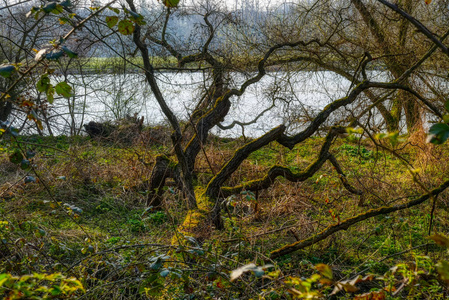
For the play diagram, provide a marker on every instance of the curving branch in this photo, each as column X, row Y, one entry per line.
column 242, row 124
column 277, row 171
column 291, row 141
column 213, row 188
column 344, row 225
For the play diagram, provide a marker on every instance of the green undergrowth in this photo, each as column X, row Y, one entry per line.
column 85, row 217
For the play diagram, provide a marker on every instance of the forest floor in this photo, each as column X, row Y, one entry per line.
column 83, row 213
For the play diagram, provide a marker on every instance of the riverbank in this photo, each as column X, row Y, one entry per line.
column 84, row 215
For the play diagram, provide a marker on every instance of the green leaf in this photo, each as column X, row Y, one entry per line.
column 7, row 70
column 156, row 265
column 63, row 89
column 53, row 7
column 125, row 27
column 49, row 7
column 63, row 20
column 259, row 272
column 134, row 15
column 164, row 273
column 55, row 290
column 43, row 83
column 54, row 55
column 111, row 21
column 25, row 164
column 69, row 52
column 30, row 179
column 66, row 3
column 16, row 157
column 439, row 133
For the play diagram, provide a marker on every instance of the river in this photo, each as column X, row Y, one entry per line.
column 297, row 97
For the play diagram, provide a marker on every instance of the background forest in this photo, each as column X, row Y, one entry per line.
column 224, row 150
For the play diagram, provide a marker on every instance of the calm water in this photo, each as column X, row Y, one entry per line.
column 297, row 98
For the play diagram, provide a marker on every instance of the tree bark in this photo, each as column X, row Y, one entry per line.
column 163, row 169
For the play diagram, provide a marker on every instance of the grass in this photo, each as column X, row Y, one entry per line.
column 120, row 249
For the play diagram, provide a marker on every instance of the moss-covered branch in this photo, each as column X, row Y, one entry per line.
column 277, row 171
column 240, row 155
column 344, row 225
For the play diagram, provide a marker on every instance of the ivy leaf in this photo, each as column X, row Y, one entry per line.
column 156, row 265
column 439, row 133
column 16, row 157
column 125, row 27
column 54, row 55
column 69, row 52
column 30, row 179
column 63, row 89
column 111, row 21
column 53, row 7
column 134, row 15
column 258, row 272
column 49, row 7
column 25, row 164
column 164, row 273
column 66, row 3
column 7, row 70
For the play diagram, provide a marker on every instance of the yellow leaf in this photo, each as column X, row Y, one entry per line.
column 427, row 1
column 325, row 270
column 440, row 239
